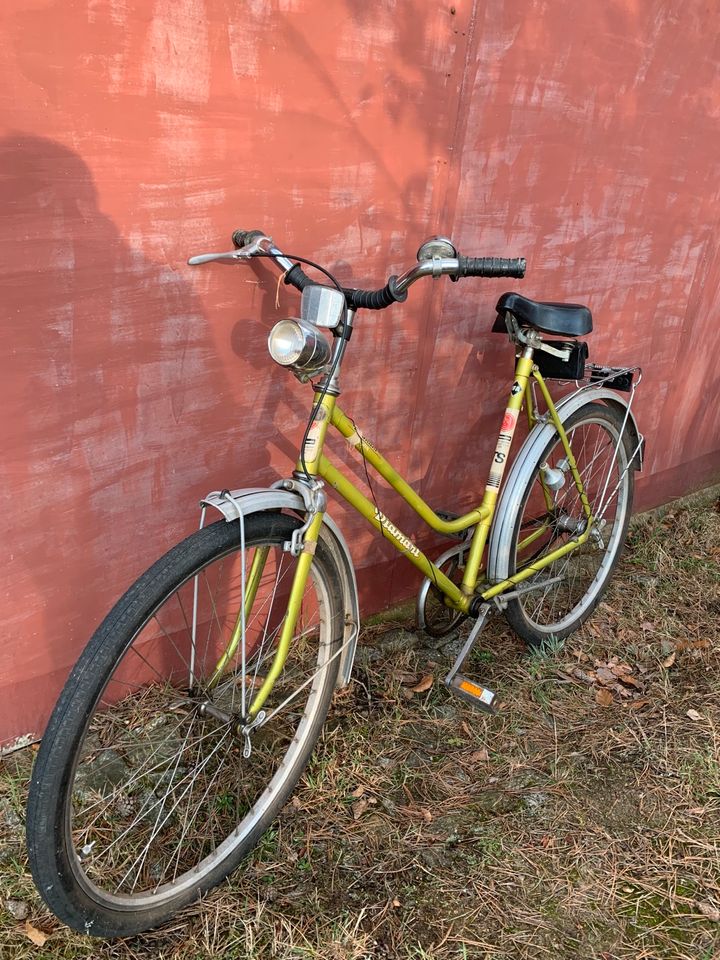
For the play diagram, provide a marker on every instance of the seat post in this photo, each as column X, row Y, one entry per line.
column 532, row 340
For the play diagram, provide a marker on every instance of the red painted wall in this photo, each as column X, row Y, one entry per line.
column 136, row 133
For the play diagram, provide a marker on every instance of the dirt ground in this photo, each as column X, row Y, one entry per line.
column 581, row 822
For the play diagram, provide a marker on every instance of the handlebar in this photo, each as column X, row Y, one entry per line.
column 253, row 243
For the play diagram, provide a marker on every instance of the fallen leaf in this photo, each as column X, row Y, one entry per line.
column 603, row 697
column 669, row 661
column 694, row 715
column 396, row 902
column 631, row 681
column 647, row 626
column 37, row 936
column 479, row 756
column 359, row 808
column 426, row 815
column 358, row 792
column 709, row 911
column 638, row 704
column 605, row 676
column 425, row 684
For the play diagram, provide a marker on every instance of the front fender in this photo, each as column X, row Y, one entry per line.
column 524, row 463
column 257, row 499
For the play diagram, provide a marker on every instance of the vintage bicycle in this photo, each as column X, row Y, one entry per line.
column 191, row 714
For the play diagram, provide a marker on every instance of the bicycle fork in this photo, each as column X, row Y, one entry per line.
column 254, row 577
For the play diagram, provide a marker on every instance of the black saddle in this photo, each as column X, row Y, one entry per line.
column 569, row 319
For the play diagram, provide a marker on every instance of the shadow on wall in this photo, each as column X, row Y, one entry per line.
column 111, row 405
column 117, row 416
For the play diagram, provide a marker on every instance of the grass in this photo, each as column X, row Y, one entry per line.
column 424, row 831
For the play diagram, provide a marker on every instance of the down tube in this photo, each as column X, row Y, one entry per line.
column 348, row 491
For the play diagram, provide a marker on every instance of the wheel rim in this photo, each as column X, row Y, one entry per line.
column 160, row 794
column 542, row 527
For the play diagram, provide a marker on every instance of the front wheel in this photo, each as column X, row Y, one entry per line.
column 555, row 601
column 143, row 794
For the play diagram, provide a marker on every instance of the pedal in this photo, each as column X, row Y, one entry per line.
column 479, row 697
column 482, row 698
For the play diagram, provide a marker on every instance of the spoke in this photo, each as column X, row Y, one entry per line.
column 141, row 772
column 137, row 653
column 214, row 614
column 198, row 806
column 191, row 632
column 278, row 579
column 143, row 855
column 303, row 685
column 163, row 799
column 172, row 642
column 142, row 811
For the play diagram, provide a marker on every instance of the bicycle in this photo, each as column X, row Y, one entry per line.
column 191, row 714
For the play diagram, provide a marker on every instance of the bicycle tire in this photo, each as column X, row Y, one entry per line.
column 76, row 889
column 528, row 615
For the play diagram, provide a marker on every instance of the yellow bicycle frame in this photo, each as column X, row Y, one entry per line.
column 459, row 597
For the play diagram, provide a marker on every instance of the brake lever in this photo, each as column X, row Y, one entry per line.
column 232, row 256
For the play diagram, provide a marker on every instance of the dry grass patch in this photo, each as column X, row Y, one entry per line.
column 583, row 821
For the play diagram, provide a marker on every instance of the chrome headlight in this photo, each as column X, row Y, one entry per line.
column 300, row 345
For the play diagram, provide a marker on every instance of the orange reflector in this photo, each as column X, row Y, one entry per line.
column 471, row 688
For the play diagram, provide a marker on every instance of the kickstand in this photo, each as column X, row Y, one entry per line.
column 479, row 697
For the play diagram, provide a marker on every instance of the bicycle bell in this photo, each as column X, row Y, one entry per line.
column 435, row 247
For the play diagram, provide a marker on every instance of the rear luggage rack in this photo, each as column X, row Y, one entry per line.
column 617, row 378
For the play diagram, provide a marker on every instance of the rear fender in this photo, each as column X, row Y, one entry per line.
column 524, row 463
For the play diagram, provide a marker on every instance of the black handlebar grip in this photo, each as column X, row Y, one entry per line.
column 375, row 299
column 241, row 238
column 491, row 267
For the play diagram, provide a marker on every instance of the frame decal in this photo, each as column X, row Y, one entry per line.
column 505, row 438
column 404, row 541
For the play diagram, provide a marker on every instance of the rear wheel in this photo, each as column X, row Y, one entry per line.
column 566, row 591
column 142, row 795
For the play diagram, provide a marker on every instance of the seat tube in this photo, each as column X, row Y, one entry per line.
column 523, row 371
